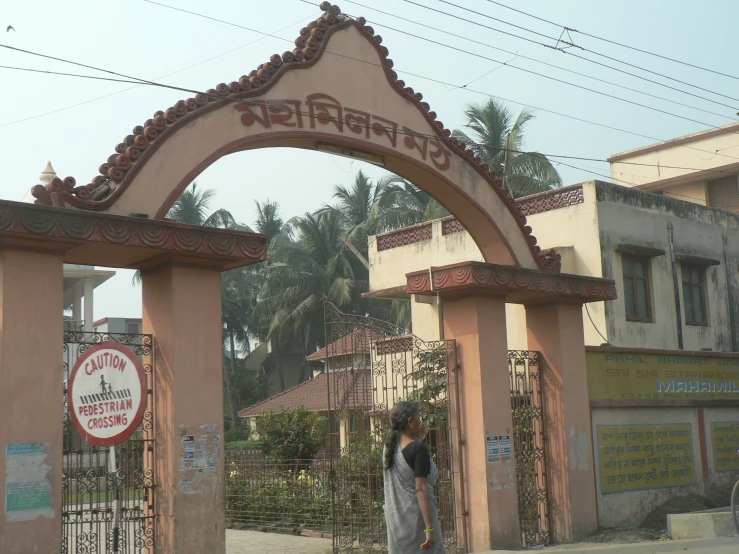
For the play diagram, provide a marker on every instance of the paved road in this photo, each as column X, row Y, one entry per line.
column 253, row 542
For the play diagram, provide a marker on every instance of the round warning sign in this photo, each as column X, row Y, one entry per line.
column 107, row 394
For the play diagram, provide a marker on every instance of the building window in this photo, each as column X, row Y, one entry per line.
column 724, row 193
column 636, row 288
column 694, row 285
column 132, row 328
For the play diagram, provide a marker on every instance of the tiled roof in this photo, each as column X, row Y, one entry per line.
column 359, row 341
column 347, row 388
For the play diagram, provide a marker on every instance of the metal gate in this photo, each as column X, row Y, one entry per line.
column 529, row 435
column 89, row 499
column 372, row 365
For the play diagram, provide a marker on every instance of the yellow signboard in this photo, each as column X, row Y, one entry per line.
column 635, row 457
column 725, row 439
column 648, row 377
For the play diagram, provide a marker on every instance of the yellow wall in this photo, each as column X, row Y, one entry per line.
column 572, row 229
column 692, row 156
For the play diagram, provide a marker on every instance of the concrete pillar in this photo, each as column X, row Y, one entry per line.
column 556, row 331
column 31, row 402
column 76, row 304
column 182, row 310
column 478, row 324
column 89, row 302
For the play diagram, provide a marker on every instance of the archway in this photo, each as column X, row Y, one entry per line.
column 336, row 92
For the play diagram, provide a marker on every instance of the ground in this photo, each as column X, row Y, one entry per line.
column 253, row 542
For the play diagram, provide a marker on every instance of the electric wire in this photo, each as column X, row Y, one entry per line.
column 615, row 42
column 580, row 48
column 611, row 83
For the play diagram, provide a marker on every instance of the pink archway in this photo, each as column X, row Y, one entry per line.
column 336, row 91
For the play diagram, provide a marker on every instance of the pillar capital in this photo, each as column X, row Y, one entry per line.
column 517, row 285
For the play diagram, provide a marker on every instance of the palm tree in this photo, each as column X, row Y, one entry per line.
column 192, row 208
column 305, row 268
column 235, row 315
column 497, row 138
column 402, row 204
column 268, row 220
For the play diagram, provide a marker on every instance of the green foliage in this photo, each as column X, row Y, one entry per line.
column 429, row 376
column 297, row 434
column 497, row 137
column 278, row 498
column 240, row 433
column 244, row 444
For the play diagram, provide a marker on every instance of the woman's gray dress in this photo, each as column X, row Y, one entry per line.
column 403, row 515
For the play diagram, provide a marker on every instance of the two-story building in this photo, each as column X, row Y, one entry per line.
column 662, row 362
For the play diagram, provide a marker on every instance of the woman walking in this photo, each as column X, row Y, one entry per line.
column 411, row 511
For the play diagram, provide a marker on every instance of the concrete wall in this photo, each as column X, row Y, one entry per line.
column 635, row 218
column 625, row 509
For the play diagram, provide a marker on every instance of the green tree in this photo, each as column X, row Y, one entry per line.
column 497, row 137
column 402, row 204
column 293, row 435
column 307, row 263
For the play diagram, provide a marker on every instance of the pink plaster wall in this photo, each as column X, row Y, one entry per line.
column 31, row 388
column 478, row 324
column 182, row 308
column 556, row 331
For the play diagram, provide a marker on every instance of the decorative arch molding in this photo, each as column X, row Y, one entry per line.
column 313, row 97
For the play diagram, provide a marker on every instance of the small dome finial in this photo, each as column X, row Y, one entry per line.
column 47, row 174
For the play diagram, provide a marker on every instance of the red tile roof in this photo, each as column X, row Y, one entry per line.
column 359, row 341
column 349, row 389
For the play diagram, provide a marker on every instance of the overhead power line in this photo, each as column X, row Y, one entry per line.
column 611, row 83
column 589, row 60
column 464, row 87
column 621, row 44
column 141, row 82
column 258, row 103
column 91, row 100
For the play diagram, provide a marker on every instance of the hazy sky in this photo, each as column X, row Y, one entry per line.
column 76, row 123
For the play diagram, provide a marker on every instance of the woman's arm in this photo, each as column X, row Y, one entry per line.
column 424, row 501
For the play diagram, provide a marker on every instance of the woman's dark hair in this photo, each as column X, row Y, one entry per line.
column 399, row 416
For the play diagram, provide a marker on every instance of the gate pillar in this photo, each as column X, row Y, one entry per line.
column 31, row 402
column 478, row 324
column 556, row 331
column 182, row 310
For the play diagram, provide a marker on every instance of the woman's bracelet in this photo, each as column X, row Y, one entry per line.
column 429, row 530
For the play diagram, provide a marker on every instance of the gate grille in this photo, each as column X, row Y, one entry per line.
column 529, row 435
column 375, row 365
column 88, row 491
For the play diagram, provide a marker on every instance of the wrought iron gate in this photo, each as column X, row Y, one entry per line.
column 88, row 495
column 373, row 364
column 529, row 435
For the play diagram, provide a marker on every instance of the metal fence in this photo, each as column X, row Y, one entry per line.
column 529, row 445
column 285, row 496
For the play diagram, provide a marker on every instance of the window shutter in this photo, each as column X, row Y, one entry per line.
column 724, row 193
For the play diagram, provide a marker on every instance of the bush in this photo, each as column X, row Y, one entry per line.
column 297, row 434
column 275, row 497
column 244, row 445
column 240, row 433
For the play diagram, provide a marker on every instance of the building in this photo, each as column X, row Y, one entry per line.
column 674, row 264
column 119, row 325
column 662, row 362
column 700, row 168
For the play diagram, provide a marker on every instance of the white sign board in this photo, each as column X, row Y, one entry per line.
column 107, row 394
